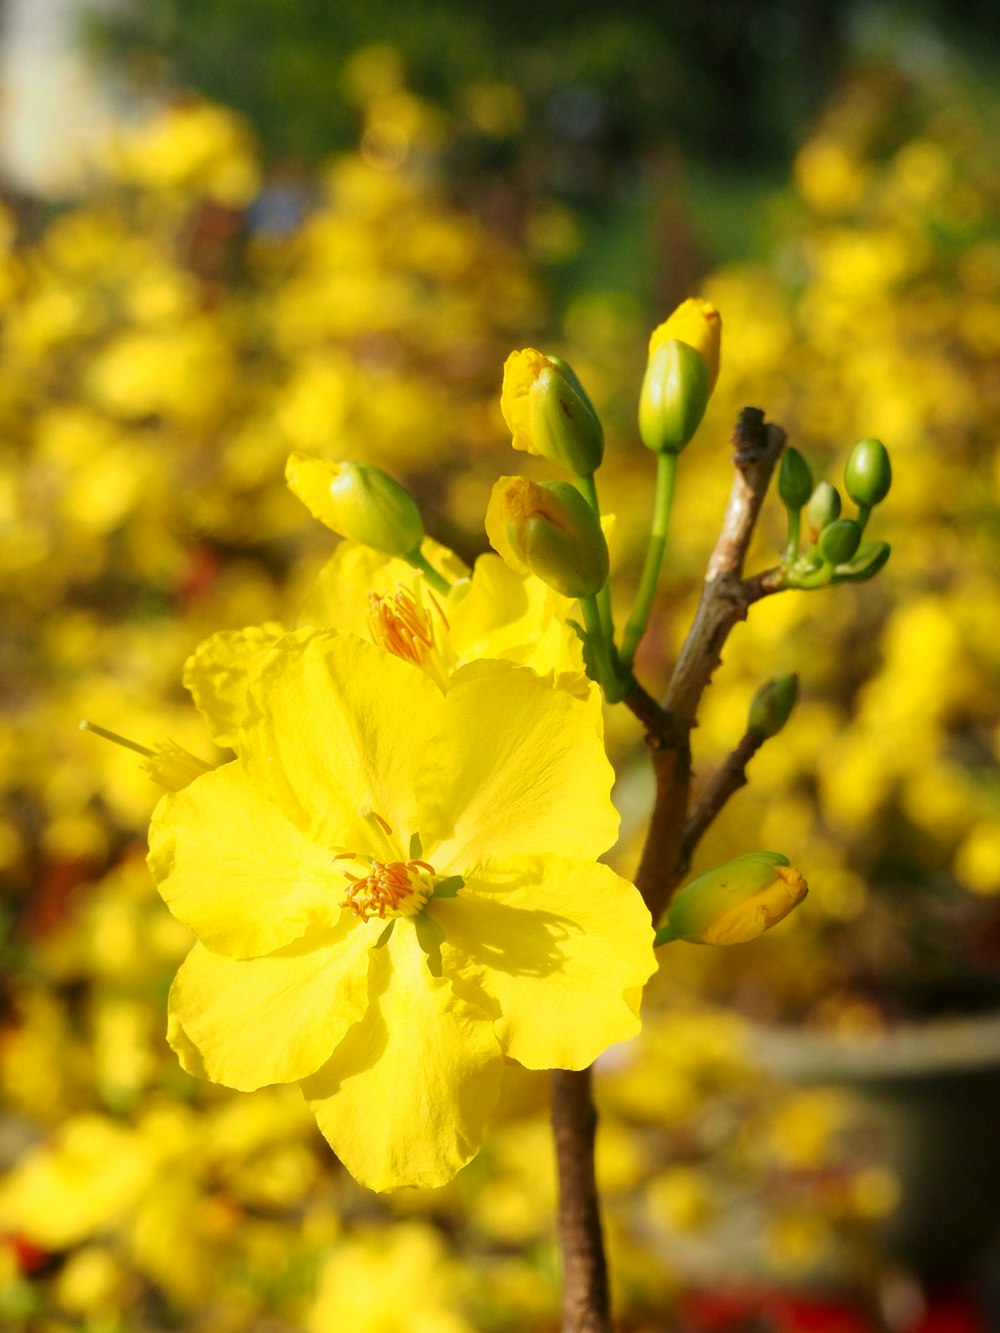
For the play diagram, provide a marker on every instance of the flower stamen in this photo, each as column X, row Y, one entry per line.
column 394, row 888
column 408, row 629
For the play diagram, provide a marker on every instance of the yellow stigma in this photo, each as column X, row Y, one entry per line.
column 403, row 626
column 393, row 888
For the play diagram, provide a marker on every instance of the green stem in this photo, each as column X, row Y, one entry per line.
column 635, row 628
column 794, row 533
column 864, row 513
column 587, row 487
column 607, row 675
column 437, row 581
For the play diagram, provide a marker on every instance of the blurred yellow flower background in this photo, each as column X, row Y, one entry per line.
column 165, row 345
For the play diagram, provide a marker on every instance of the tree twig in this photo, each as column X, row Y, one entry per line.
column 724, row 597
column 724, row 783
column 586, row 1300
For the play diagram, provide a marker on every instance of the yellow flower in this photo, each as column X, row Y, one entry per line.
column 394, row 890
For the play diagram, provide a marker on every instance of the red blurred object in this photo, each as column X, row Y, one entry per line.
column 30, row 1257
column 198, row 575
column 747, row 1308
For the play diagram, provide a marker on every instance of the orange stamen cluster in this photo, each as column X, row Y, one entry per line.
column 383, row 890
column 402, row 625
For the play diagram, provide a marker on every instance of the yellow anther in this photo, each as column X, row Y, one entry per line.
column 391, row 888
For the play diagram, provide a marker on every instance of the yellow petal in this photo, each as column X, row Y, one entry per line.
column 339, row 597
column 257, row 1021
column 697, row 323
column 520, row 768
column 556, row 950
column 337, row 727
column 503, row 614
column 405, row 1096
column 520, row 371
column 217, row 672
column 232, row 867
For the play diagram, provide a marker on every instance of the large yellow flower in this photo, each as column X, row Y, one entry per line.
column 394, row 889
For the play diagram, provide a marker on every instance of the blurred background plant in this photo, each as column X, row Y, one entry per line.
column 311, row 232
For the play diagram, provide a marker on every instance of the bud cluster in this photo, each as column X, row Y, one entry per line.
column 835, row 552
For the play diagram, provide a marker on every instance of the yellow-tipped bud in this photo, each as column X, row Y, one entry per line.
column 681, row 372
column 549, row 412
column 551, row 531
column 735, row 902
column 357, row 501
column 697, row 323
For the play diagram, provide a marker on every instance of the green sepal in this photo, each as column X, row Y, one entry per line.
column 383, row 939
column 867, row 562
column 673, row 398
column 564, row 423
column 416, row 847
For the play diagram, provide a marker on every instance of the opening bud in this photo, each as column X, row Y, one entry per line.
column 549, row 530
column 795, row 480
column 549, row 412
column 868, row 474
column 839, row 541
column 735, row 902
column 681, row 371
column 357, row 501
column 823, row 508
column 772, row 706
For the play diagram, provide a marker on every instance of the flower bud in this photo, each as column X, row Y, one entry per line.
column 839, row 541
column 795, row 481
column 735, row 902
column 357, row 501
column 772, row 706
column 551, row 531
column 823, row 508
column 681, row 371
column 868, row 474
column 549, row 413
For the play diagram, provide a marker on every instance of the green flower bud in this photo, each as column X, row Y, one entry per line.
column 549, row 412
column 772, row 706
column 550, row 530
column 359, row 502
column 675, row 393
column 823, row 508
column 735, row 902
column 868, row 474
column 866, row 563
column 795, row 480
column 839, row 541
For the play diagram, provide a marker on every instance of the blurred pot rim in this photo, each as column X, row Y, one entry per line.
column 928, row 1049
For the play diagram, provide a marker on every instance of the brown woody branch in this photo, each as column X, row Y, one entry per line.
column 727, row 780
column 586, row 1301
column 671, row 838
